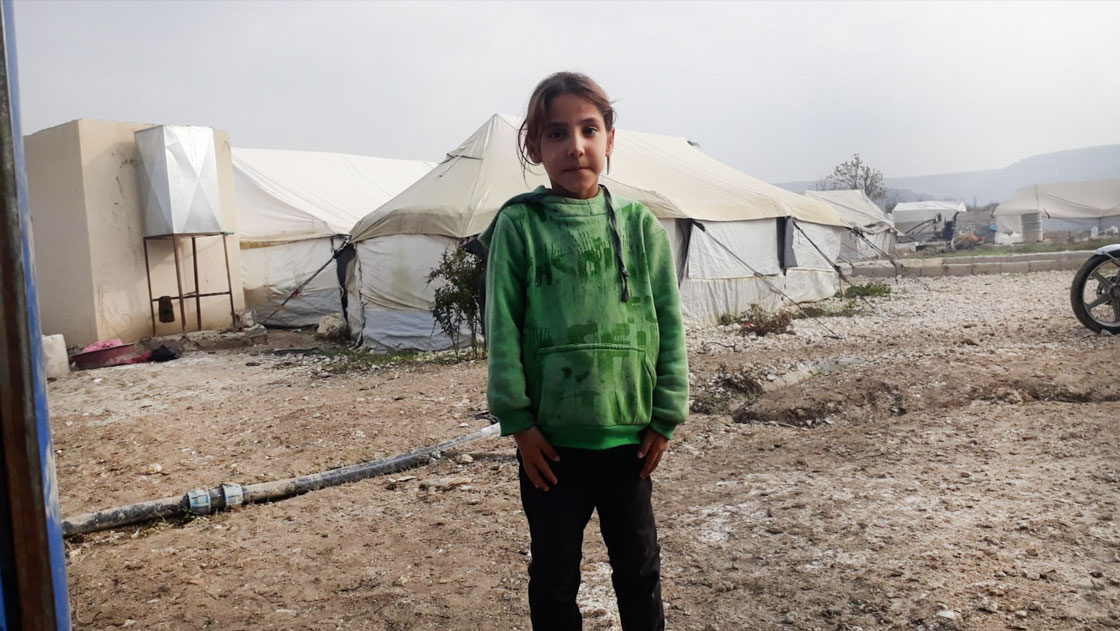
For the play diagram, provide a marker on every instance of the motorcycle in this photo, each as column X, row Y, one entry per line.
column 1095, row 293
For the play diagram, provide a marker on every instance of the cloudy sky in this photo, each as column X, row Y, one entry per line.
column 780, row 91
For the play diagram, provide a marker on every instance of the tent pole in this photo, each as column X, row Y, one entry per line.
column 148, row 272
column 197, row 289
column 179, row 284
column 229, row 282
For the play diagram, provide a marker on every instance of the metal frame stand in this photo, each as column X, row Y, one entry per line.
column 196, row 294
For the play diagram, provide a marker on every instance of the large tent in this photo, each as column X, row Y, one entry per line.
column 1055, row 207
column 924, row 220
column 736, row 239
column 873, row 232
column 295, row 209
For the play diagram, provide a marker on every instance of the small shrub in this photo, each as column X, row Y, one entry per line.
column 457, row 300
column 847, row 309
column 762, row 322
column 344, row 360
column 727, row 318
column 868, row 290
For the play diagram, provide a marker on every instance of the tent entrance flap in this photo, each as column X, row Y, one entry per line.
column 287, row 284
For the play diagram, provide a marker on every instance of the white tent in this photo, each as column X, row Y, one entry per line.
column 925, row 219
column 294, row 210
column 724, row 226
column 863, row 215
column 1061, row 206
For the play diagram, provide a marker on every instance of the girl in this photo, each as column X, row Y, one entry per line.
column 587, row 363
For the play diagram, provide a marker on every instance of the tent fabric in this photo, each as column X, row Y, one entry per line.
column 269, row 275
column 682, row 186
column 678, row 233
column 816, row 247
column 754, row 244
column 290, row 206
column 716, row 282
column 394, row 294
column 870, row 245
column 704, row 301
column 917, row 212
column 863, row 215
column 1072, row 206
column 395, row 270
column 396, row 301
column 855, row 207
column 287, row 196
column 1066, row 200
column 673, row 178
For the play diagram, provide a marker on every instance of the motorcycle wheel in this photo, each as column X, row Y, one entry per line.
column 1095, row 294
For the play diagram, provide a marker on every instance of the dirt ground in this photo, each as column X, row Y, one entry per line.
column 949, row 463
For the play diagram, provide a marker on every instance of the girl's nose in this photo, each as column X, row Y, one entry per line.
column 575, row 149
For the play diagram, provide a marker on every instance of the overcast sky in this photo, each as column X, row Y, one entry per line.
column 780, row 91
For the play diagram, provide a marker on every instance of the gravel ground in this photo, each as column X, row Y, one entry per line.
column 946, row 462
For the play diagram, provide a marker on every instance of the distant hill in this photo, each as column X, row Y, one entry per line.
column 983, row 187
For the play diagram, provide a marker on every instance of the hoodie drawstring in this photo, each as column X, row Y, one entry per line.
column 623, row 272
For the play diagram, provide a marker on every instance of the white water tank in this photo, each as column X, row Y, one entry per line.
column 179, row 180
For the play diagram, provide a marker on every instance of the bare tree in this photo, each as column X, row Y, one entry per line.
column 854, row 174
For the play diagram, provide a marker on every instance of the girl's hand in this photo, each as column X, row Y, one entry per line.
column 652, row 448
column 535, row 454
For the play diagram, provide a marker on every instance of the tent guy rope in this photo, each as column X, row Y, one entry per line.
column 769, row 285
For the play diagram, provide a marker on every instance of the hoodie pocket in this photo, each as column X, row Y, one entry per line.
column 597, row 385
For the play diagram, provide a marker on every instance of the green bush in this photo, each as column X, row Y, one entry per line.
column 457, row 301
column 342, row 360
column 868, row 290
column 727, row 318
column 762, row 322
column 846, row 309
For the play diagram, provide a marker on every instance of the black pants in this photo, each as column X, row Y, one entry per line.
column 606, row 481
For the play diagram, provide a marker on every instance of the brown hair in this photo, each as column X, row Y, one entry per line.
column 574, row 83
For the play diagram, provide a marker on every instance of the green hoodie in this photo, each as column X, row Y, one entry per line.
column 584, row 337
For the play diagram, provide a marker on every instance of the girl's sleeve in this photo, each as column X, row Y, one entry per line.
column 670, row 394
column 505, row 313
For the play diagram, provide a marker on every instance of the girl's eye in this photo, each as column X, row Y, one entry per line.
column 590, row 131
column 555, row 135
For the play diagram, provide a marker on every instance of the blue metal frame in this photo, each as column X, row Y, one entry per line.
column 29, row 330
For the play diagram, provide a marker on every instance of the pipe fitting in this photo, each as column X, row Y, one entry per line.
column 233, row 495
column 199, row 501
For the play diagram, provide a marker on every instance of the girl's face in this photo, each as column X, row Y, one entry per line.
column 573, row 146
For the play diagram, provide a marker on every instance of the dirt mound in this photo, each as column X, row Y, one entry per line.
column 821, row 401
column 876, row 391
column 726, row 389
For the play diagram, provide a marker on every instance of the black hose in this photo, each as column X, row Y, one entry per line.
column 204, row 501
